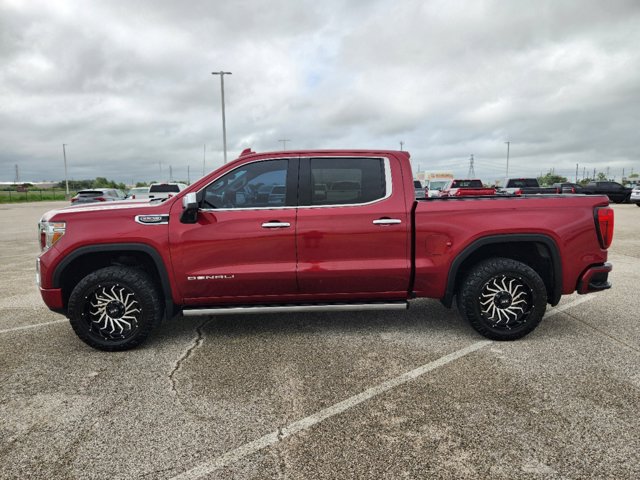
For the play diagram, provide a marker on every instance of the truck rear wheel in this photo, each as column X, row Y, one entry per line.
column 503, row 299
column 115, row 308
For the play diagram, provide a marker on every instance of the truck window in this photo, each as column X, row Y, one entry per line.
column 254, row 185
column 345, row 181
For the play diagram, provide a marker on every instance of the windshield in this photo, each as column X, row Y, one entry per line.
column 466, row 184
column 437, row 185
column 522, row 183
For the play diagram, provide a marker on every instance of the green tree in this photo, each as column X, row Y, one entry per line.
column 601, row 177
column 550, row 178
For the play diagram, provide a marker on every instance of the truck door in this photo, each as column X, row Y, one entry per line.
column 243, row 246
column 353, row 227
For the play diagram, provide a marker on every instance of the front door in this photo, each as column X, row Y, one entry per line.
column 243, row 246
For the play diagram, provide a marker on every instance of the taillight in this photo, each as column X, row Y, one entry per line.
column 133, row 196
column 517, row 191
column 604, row 225
column 100, row 199
column 74, row 199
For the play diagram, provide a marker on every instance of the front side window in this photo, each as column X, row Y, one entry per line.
column 344, row 181
column 255, row 185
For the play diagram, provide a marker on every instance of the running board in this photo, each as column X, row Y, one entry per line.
column 328, row 307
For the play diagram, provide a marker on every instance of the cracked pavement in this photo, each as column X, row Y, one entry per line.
column 562, row 403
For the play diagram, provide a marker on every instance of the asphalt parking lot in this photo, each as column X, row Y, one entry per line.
column 414, row 394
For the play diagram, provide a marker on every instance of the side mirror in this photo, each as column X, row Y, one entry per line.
column 189, row 208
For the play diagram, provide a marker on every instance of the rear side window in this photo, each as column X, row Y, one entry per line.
column 346, row 181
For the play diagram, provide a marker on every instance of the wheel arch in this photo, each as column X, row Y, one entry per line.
column 545, row 260
column 90, row 258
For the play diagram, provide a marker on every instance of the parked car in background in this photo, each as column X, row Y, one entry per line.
column 418, row 189
column 567, row 187
column 138, row 193
column 434, row 185
column 165, row 190
column 615, row 191
column 98, row 195
column 525, row 186
column 635, row 195
column 466, row 188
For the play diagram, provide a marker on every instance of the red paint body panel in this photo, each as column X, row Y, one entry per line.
column 329, row 253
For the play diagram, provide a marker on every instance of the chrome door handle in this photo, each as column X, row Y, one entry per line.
column 276, row 225
column 387, row 221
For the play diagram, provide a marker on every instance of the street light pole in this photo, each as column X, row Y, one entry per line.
column 507, row 173
column 66, row 178
column 284, row 143
column 224, row 123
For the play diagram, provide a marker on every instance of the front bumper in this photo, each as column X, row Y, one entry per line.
column 52, row 298
column 595, row 279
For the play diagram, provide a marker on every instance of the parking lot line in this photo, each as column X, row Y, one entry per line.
column 307, row 422
column 25, row 327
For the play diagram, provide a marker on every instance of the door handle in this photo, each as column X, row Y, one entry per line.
column 276, row 225
column 387, row 221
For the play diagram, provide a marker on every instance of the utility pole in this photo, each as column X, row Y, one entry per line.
column 204, row 158
column 472, row 170
column 507, row 174
column 284, row 143
column 66, row 178
column 188, row 176
column 17, row 175
column 401, row 145
column 584, row 170
column 576, row 173
column 607, row 173
column 594, row 174
column 170, row 173
column 160, row 165
column 224, row 124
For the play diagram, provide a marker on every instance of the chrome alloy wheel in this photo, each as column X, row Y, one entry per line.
column 112, row 311
column 505, row 301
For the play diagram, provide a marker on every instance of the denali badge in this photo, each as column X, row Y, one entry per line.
column 210, row 277
column 152, row 219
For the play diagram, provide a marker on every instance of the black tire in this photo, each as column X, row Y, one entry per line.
column 503, row 299
column 124, row 298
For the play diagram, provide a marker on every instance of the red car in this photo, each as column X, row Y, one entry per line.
column 466, row 188
column 342, row 231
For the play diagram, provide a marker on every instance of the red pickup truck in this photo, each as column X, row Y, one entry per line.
column 307, row 230
column 466, row 188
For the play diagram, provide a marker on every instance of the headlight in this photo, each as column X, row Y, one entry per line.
column 50, row 233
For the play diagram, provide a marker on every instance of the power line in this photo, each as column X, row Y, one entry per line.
column 472, row 171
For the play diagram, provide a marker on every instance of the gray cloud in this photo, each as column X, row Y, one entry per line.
column 127, row 85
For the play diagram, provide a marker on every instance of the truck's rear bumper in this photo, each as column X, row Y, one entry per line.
column 595, row 279
column 52, row 298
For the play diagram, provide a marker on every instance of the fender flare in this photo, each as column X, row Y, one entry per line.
column 116, row 247
column 547, row 241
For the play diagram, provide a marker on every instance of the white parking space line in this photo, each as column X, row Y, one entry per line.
column 562, row 308
column 307, row 422
column 274, row 437
column 26, row 327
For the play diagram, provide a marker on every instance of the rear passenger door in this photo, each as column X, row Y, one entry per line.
column 353, row 228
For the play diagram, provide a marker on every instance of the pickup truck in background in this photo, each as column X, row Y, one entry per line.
column 525, row 186
column 466, row 188
column 342, row 231
column 616, row 192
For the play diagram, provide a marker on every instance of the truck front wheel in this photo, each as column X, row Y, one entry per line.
column 114, row 308
column 503, row 299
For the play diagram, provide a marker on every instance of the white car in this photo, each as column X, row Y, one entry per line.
column 635, row 195
column 165, row 190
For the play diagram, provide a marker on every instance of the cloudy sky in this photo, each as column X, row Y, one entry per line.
column 128, row 85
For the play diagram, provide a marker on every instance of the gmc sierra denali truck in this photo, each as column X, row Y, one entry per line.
column 310, row 230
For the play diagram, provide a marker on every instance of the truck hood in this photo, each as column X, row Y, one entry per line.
column 144, row 205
